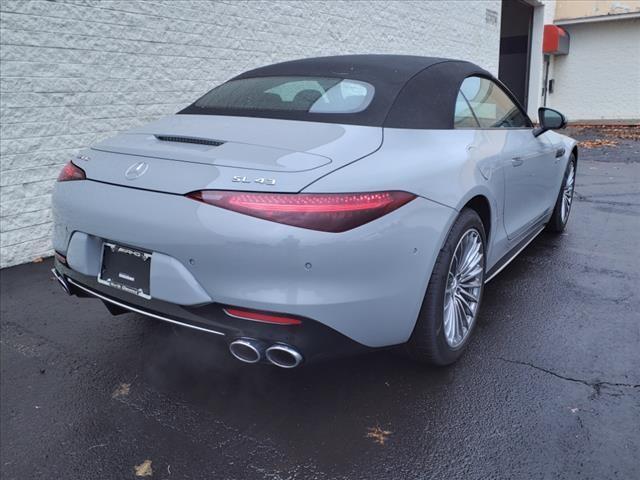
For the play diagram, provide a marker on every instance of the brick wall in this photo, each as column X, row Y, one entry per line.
column 73, row 72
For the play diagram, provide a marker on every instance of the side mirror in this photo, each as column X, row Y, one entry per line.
column 550, row 119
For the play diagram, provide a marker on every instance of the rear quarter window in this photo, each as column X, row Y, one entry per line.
column 491, row 106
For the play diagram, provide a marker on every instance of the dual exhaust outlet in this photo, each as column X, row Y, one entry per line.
column 246, row 350
column 249, row 350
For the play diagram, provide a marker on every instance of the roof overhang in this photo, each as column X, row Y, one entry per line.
column 599, row 18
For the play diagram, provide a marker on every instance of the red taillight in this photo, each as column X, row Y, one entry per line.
column 263, row 317
column 71, row 172
column 328, row 212
column 61, row 258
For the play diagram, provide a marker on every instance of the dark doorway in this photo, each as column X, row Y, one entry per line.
column 515, row 46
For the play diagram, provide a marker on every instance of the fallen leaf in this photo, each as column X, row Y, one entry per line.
column 624, row 132
column 144, row 469
column 598, row 143
column 121, row 391
column 38, row 260
column 378, row 435
column 629, row 132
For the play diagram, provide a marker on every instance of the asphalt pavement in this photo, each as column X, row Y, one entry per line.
column 549, row 388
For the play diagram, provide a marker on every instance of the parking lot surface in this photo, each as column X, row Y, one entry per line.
column 549, row 388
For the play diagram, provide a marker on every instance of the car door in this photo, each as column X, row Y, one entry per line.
column 528, row 162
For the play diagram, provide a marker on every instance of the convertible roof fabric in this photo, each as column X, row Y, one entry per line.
column 410, row 91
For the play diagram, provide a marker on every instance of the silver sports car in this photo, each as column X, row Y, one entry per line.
column 318, row 207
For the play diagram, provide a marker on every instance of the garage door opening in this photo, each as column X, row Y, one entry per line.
column 515, row 47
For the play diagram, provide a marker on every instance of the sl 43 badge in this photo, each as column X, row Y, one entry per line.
column 261, row 181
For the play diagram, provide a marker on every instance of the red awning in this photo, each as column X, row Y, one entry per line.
column 555, row 40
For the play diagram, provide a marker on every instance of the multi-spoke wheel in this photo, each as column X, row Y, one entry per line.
column 567, row 193
column 454, row 294
column 560, row 216
column 464, row 286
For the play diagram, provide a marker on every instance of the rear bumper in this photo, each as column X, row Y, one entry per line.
column 315, row 341
column 366, row 284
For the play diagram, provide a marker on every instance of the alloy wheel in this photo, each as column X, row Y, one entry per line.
column 464, row 287
column 567, row 193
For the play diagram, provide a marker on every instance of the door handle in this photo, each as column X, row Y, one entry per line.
column 516, row 161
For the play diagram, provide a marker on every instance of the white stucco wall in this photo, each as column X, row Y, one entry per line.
column 74, row 72
column 543, row 14
column 600, row 77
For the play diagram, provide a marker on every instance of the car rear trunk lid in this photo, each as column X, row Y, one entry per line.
column 184, row 153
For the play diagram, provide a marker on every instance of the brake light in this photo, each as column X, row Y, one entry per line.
column 71, row 172
column 61, row 258
column 263, row 317
column 327, row 212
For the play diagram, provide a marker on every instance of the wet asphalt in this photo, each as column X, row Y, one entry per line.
column 549, row 388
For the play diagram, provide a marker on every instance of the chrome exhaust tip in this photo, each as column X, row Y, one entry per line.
column 61, row 280
column 246, row 350
column 283, row 356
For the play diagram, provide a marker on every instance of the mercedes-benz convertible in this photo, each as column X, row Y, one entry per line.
column 318, row 207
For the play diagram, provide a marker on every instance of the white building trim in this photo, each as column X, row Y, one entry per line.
column 600, row 18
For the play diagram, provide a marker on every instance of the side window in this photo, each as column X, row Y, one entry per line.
column 463, row 116
column 491, row 105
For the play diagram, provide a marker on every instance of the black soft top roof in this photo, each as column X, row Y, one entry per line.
column 410, row 91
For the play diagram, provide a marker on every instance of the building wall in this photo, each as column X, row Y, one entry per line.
column 570, row 9
column 543, row 13
column 600, row 77
column 75, row 72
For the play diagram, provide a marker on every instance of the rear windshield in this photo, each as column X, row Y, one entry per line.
column 290, row 94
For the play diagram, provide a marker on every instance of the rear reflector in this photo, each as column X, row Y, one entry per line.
column 71, row 172
column 263, row 317
column 61, row 258
column 327, row 212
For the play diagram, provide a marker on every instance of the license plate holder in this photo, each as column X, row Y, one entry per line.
column 126, row 269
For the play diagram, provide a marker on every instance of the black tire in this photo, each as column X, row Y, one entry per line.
column 556, row 223
column 428, row 343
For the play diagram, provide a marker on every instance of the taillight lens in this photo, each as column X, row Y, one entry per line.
column 61, row 258
column 264, row 317
column 327, row 212
column 71, row 172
